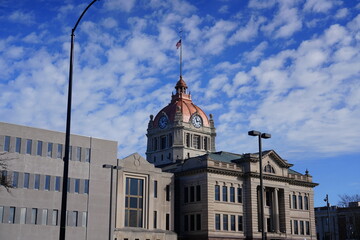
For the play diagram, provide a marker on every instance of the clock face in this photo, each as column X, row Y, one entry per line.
column 163, row 121
column 196, row 121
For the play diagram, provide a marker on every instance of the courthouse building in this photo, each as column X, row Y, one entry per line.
column 184, row 189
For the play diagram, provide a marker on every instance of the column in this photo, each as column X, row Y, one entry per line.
column 276, row 210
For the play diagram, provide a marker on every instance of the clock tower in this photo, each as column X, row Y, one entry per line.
column 180, row 130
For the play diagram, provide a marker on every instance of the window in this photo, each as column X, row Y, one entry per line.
column 205, row 143
column 86, row 186
column 11, row 218
column 188, row 140
column 44, row 217
column 307, row 225
column 155, row 188
column 167, row 221
column 54, row 220
column 87, row 154
column 77, row 185
column 239, row 195
column 198, row 222
column 294, row 202
column 133, row 202
column 1, row 214
column 72, row 218
column 78, row 154
column 269, row 169
column 47, row 182
column 170, row 140
column 224, row 193
column 59, row 151
column 232, row 194
column 49, row 150
column 28, row 146
column 232, row 223
column 268, row 198
column 26, row 180
column 192, row 194
column 192, row 222
column 155, row 144
column 84, row 219
column 186, row 194
column 217, row 221
column 296, row 229
column 217, row 193
column 33, row 219
column 186, row 223
column 291, row 227
column 306, row 203
column 225, row 222
column 7, row 144
column 39, row 148
column 18, row 145
column 196, row 142
column 155, row 219
column 301, row 227
column 22, row 215
column 240, row 223
column 198, row 193
column 167, row 192
column 15, row 180
column 37, row 182
column 300, row 202
column 57, row 183
column 162, row 142
column 4, row 175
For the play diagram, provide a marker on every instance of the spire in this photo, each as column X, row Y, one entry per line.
column 181, row 86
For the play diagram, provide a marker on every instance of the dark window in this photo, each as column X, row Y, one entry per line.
column 26, row 180
column 86, row 186
column 59, row 151
column 18, row 145
column 232, row 194
column 296, row 229
column 7, row 144
column 224, row 194
column 217, row 193
column 15, row 180
column 87, row 154
column 196, row 143
column 155, row 188
column 269, row 225
column 37, row 182
column 205, row 143
column 155, row 144
column 198, row 222
column 167, row 221
column 155, row 219
column 302, row 227
column 307, row 228
column 240, row 223
column 47, row 182
column 239, row 195
column 186, row 194
column 225, row 222
column 186, row 223
column 188, row 139
column 294, row 202
column 300, row 202
column 198, row 193
column 192, row 222
column 11, row 218
column 170, row 140
column 28, row 146
column 192, row 194
column 49, row 150
column 133, row 202
column 232, row 223
column 39, row 148
column 33, row 219
column 217, row 221
column 57, row 183
column 291, row 227
column 162, row 142
column 268, row 198
column 306, row 203
column 167, row 192
column 78, row 154
column 77, row 185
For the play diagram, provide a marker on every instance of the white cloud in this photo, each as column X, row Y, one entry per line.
column 249, row 32
column 341, row 13
column 123, row 5
column 109, row 22
column 22, row 17
column 257, row 53
column 322, row 6
column 224, row 9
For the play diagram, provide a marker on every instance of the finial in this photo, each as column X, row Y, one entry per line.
column 151, row 117
column 211, row 116
column 307, row 172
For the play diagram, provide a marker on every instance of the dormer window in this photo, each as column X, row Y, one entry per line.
column 269, row 169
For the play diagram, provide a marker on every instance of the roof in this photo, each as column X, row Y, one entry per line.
column 225, row 156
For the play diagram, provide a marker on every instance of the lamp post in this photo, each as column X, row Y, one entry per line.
column 112, row 167
column 262, row 216
column 328, row 214
column 67, row 134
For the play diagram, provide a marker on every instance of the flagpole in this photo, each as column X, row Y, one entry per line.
column 181, row 53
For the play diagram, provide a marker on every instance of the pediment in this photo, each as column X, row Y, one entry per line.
column 136, row 162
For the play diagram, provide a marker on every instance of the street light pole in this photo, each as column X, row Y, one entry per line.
column 262, row 215
column 67, row 134
column 328, row 214
column 112, row 167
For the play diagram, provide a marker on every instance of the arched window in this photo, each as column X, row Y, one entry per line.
column 269, row 169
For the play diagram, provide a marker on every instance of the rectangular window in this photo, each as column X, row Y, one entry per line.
column 291, row 227
column 217, row 221
column 86, row 186
column 39, row 148
column 192, row 194
column 72, row 218
column 186, row 223
column 37, row 182
column 47, row 182
column 294, row 202
column 300, row 202
column 224, row 193
column 232, row 194
column 49, row 150
column 28, row 146
column 134, row 202
column 44, row 217
column 302, row 227
column 22, row 215
column 167, row 221
column 57, row 183
column 162, row 142
column 59, row 153
column 18, row 145
column 192, row 222
column 54, row 220
column 196, row 142
column 84, row 219
column 155, row 219
column 198, row 222
column 11, row 218
column 232, row 223
column 188, row 140
column 186, row 194
column 198, row 193
column 239, row 195
column 268, row 198
column 205, row 143
column 78, row 154
column 15, row 180
column 240, row 223
column 225, row 222
column 87, row 154
column 296, row 229
column 77, row 185
column 155, row 188
column 167, row 192
column 307, row 224
column 306, row 203
column 1, row 214
column 217, row 193
column 26, row 180
column 7, row 144
column 33, row 219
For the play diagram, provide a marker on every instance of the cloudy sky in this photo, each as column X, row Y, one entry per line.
column 287, row 67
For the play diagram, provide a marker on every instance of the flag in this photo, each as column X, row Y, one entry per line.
column 178, row 44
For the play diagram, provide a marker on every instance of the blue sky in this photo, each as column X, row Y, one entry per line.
column 287, row 67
